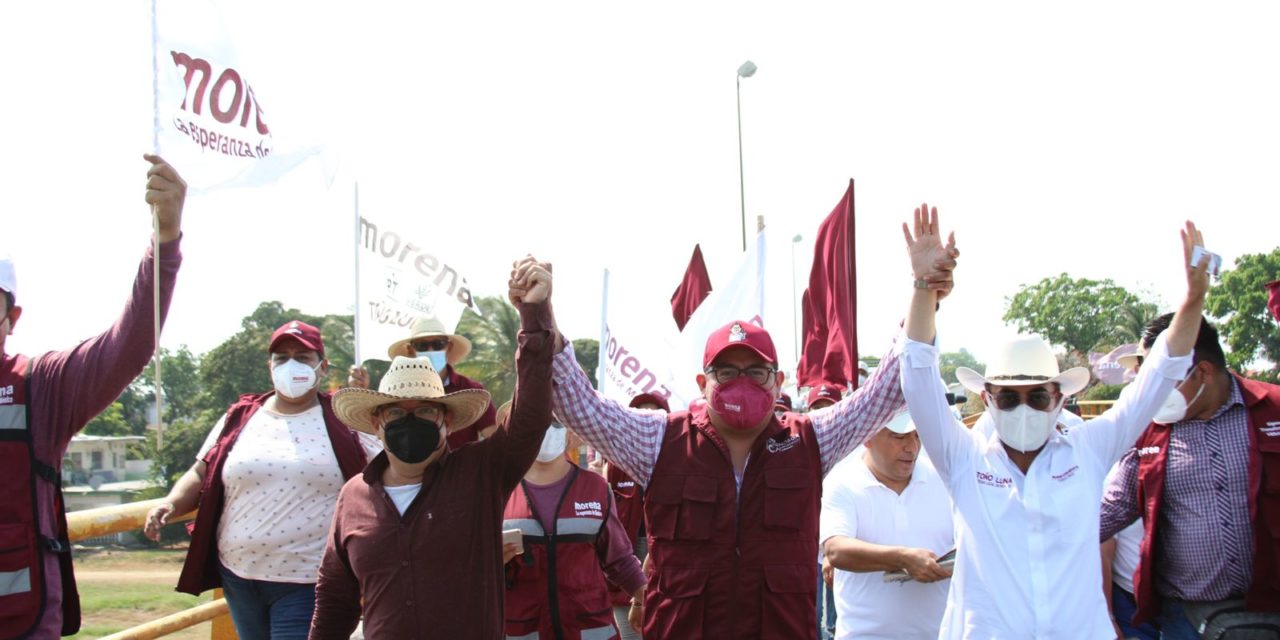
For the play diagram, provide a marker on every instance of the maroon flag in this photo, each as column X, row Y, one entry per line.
column 830, row 352
column 693, row 289
column 1273, row 302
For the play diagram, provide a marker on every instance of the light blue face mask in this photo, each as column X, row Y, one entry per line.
column 437, row 359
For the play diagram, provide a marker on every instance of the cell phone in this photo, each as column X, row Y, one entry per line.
column 1215, row 260
column 513, row 536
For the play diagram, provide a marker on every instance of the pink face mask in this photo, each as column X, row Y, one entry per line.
column 741, row 403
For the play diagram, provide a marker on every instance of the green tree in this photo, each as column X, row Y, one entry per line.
column 950, row 361
column 493, row 340
column 111, row 422
column 182, row 441
column 1081, row 315
column 1239, row 303
column 587, row 351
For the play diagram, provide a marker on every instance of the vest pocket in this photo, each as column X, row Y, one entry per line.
column 1270, row 490
column 698, row 510
column 788, row 598
column 681, row 508
column 785, row 497
column 678, row 602
column 17, row 560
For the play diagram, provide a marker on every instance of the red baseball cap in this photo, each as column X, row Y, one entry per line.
column 825, row 392
column 739, row 333
column 782, row 402
column 300, row 332
column 649, row 397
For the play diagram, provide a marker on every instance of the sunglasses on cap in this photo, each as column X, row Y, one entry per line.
column 1040, row 399
column 430, row 344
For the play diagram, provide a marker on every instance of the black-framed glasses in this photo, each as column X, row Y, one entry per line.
column 758, row 374
column 428, row 412
column 1039, row 399
column 430, row 344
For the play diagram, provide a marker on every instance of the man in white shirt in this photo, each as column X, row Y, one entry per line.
column 1027, row 498
column 887, row 510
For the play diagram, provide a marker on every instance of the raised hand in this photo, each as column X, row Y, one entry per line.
column 1197, row 275
column 358, row 377
column 166, row 193
column 932, row 262
column 530, row 281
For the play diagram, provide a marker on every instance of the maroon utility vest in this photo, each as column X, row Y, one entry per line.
column 556, row 589
column 1262, row 401
column 729, row 563
column 200, row 571
column 22, row 546
column 628, row 500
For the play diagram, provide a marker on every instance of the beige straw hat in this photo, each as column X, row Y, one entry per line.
column 408, row 379
column 431, row 327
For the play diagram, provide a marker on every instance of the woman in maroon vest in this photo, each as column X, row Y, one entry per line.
column 572, row 541
column 266, row 482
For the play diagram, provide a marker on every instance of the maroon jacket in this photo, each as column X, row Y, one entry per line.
column 200, row 570
column 1262, row 401
column 556, row 588
column 730, row 564
column 628, row 497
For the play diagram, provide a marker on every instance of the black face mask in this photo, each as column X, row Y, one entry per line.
column 412, row 439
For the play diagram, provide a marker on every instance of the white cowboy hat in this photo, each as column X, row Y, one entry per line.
column 1129, row 360
column 431, row 327
column 408, row 379
column 1024, row 360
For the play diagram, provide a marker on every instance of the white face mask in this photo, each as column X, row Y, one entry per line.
column 437, row 358
column 1024, row 428
column 1175, row 407
column 293, row 379
column 552, row 444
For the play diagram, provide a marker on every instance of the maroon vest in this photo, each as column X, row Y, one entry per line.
column 22, row 546
column 628, row 500
column 728, row 564
column 556, row 589
column 1263, row 404
column 200, row 571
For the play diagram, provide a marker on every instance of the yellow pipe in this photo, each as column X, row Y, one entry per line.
column 117, row 518
column 174, row 622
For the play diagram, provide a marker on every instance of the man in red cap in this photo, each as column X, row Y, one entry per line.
column 266, row 482
column 823, row 396
column 731, row 491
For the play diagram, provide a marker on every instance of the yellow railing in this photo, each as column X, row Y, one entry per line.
column 103, row 521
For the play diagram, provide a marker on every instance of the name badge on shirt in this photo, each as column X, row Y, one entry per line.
column 1272, row 429
column 1148, row 451
column 773, row 446
column 992, row 480
column 1060, row 477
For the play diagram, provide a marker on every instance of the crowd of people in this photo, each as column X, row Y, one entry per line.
column 419, row 510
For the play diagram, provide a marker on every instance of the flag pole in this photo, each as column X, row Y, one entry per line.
column 155, row 228
column 853, row 282
column 603, row 356
column 355, row 325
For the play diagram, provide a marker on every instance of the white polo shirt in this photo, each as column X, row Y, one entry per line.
column 1027, row 562
column 855, row 504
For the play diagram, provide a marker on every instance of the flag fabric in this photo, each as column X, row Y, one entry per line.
column 210, row 119
column 400, row 281
column 693, row 289
column 1273, row 302
column 1107, row 368
column 830, row 349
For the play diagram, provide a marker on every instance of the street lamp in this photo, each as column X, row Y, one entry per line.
column 794, row 323
column 747, row 70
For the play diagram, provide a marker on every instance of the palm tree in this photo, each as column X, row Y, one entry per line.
column 493, row 346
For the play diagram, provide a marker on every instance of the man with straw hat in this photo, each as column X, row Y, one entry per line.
column 429, row 339
column 416, row 541
column 1026, row 498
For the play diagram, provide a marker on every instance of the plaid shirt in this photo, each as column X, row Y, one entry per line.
column 1206, row 537
column 632, row 438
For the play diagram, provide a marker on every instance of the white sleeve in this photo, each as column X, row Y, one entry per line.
column 212, row 438
column 838, row 516
column 371, row 444
column 944, row 438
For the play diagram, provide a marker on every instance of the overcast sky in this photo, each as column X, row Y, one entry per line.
column 1074, row 137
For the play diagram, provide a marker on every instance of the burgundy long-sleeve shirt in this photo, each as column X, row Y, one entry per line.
column 69, row 388
column 436, row 571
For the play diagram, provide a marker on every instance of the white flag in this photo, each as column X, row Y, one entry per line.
column 399, row 281
column 641, row 351
column 211, row 120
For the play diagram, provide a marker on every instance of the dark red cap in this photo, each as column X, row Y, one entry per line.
column 825, row 392
column 300, row 332
column 649, row 397
column 783, row 402
column 739, row 333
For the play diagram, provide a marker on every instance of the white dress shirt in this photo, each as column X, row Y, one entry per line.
column 857, row 505
column 1027, row 561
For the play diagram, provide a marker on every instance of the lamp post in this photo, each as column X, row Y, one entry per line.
column 795, row 323
column 747, row 70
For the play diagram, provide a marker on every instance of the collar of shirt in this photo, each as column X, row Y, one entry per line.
column 863, row 478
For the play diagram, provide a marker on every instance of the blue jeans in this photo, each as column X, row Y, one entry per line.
column 1123, row 606
column 264, row 610
column 1174, row 624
